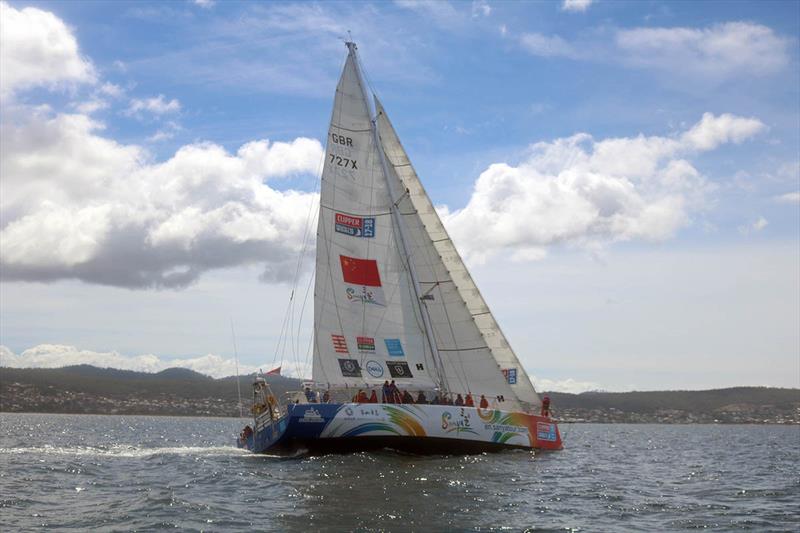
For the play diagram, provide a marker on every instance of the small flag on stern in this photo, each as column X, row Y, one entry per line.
column 274, row 372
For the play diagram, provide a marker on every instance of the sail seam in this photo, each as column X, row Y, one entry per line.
column 348, row 129
column 355, row 214
column 463, row 349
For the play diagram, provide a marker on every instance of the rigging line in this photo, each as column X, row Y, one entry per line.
column 311, row 278
column 280, row 338
column 236, row 360
column 305, row 246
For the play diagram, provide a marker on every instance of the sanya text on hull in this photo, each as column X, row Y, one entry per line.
column 407, row 354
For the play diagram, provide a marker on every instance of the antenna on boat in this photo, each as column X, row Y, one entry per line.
column 236, row 360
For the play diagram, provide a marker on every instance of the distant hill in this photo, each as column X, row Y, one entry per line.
column 88, row 389
column 179, row 391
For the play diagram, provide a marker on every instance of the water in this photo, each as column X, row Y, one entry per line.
column 76, row 472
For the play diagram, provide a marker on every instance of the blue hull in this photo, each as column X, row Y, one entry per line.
column 324, row 428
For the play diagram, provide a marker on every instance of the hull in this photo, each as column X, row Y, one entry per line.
column 436, row 429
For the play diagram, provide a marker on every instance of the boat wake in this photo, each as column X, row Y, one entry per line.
column 124, row 450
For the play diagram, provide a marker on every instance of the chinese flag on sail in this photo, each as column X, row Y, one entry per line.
column 362, row 280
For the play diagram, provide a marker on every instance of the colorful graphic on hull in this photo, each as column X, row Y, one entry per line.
column 362, row 280
column 355, row 226
column 546, row 431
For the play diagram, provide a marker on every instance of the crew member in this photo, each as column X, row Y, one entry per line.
column 546, row 407
column 469, row 402
column 421, row 397
column 373, row 398
column 459, row 400
column 310, row 396
column 484, row 402
column 386, row 393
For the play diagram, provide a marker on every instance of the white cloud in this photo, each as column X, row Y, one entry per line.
column 788, row 198
column 714, row 53
column 565, row 385
column 78, row 205
column 112, row 90
column 440, row 12
column 166, row 133
column 59, row 355
column 158, row 105
column 38, row 49
column 481, row 8
column 205, row 4
column 712, row 131
column 719, row 51
column 584, row 192
column 757, row 225
column 90, row 106
column 576, row 5
column 548, row 46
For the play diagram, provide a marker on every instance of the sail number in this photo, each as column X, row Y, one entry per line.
column 343, row 162
column 341, row 139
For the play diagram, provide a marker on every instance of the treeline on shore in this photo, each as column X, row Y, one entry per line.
column 177, row 391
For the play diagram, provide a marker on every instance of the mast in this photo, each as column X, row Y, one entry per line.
column 398, row 221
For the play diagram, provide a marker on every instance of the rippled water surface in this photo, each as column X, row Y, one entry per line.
column 144, row 473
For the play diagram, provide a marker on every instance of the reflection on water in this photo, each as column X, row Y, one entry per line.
column 79, row 472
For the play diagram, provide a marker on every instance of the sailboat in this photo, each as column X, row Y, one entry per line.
column 406, row 353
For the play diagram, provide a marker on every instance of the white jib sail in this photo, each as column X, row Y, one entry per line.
column 367, row 323
column 475, row 351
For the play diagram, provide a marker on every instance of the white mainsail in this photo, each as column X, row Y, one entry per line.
column 393, row 299
column 367, row 324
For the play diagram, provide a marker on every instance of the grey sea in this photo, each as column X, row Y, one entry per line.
column 123, row 473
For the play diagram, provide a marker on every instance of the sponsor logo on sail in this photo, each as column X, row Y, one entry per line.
column 311, row 416
column 339, row 343
column 362, row 280
column 366, row 344
column 350, row 368
column 545, row 431
column 511, row 375
column 355, row 226
column 399, row 369
column 394, row 347
column 374, row 369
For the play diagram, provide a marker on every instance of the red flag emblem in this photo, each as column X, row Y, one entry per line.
column 360, row 271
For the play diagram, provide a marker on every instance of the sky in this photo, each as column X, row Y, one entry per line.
column 622, row 178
